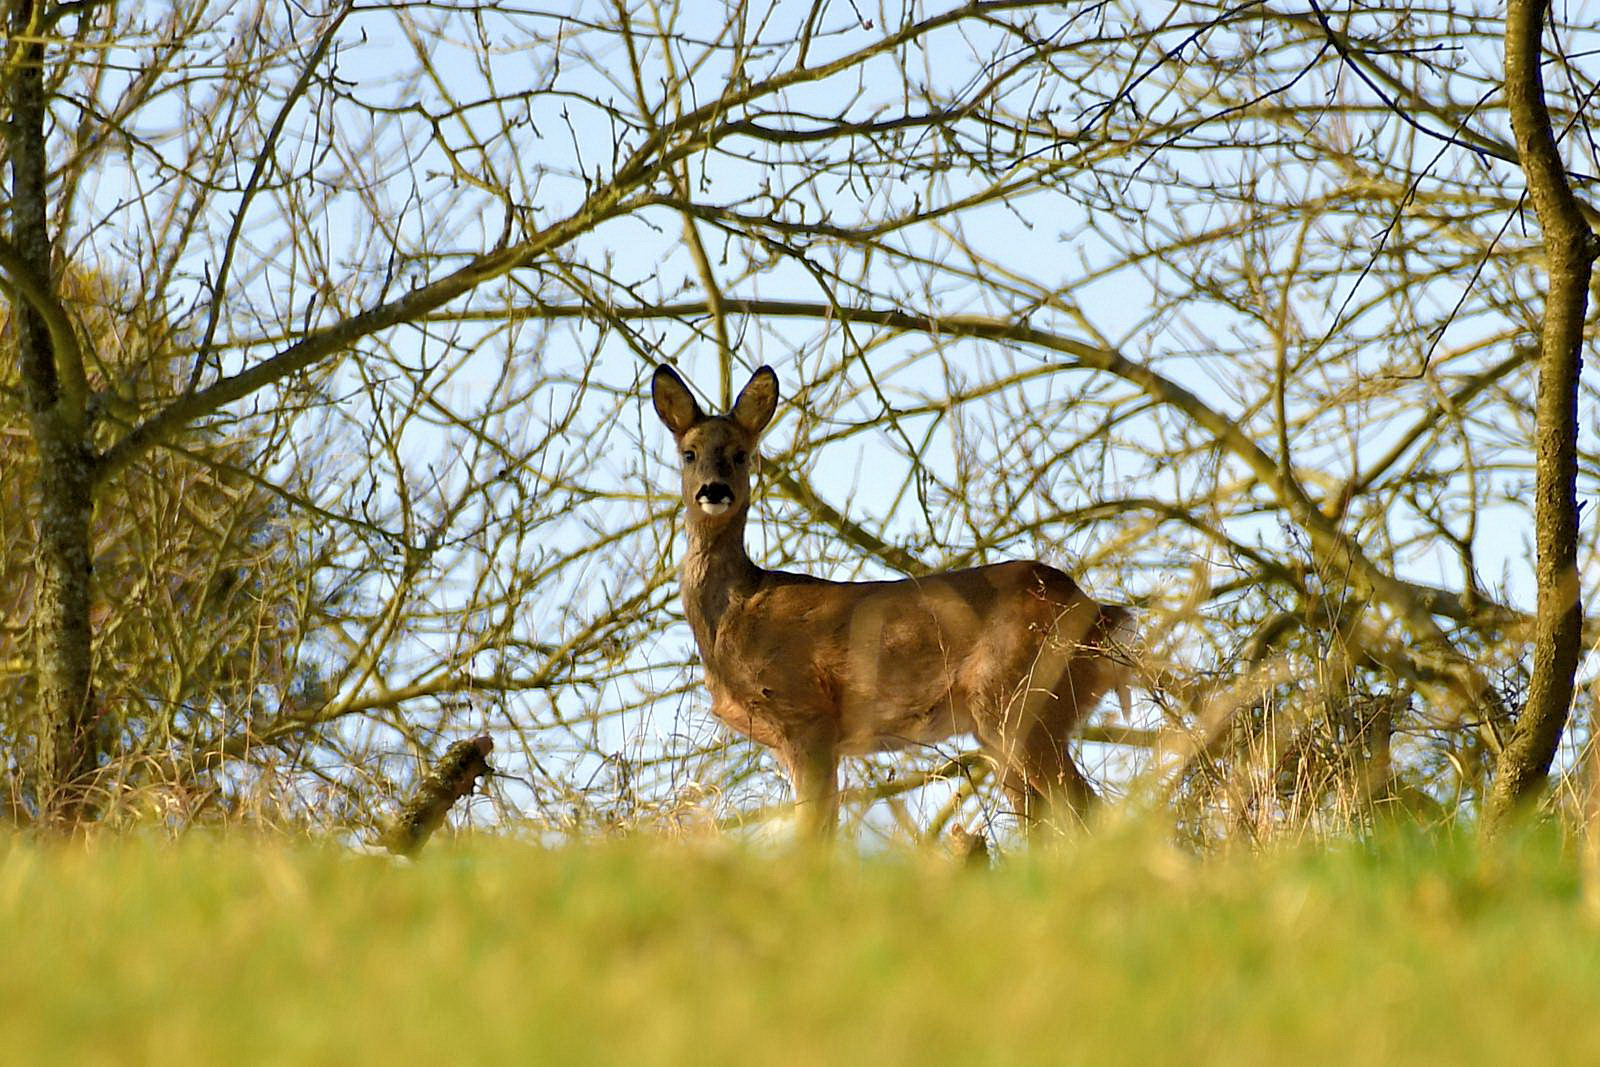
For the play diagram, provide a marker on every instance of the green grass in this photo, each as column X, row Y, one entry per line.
column 229, row 951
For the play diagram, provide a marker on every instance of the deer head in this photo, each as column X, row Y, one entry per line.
column 716, row 450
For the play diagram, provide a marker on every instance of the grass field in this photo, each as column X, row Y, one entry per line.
column 1113, row 951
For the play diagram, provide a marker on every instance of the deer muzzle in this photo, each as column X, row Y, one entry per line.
column 714, row 498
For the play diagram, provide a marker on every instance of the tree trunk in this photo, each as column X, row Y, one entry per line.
column 1570, row 247
column 67, row 747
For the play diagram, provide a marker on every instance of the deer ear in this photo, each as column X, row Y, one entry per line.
column 674, row 403
column 757, row 401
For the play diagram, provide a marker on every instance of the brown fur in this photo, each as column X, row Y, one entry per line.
column 815, row 670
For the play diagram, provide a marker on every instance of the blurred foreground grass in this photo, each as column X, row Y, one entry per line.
column 1114, row 951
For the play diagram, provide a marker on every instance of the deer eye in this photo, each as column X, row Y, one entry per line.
column 688, row 455
column 740, row 457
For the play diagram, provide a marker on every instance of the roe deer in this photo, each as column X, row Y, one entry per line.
column 815, row 669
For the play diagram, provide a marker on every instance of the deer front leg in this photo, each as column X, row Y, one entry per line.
column 813, row 766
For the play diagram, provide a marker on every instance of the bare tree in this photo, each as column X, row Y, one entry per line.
column 1225, row 308
column 200, row 599
column 1571, row 246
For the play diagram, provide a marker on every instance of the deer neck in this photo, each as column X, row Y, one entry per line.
column 717, row 574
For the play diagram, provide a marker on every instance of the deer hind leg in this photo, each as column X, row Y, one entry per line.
column 1033, row 742
column 813, row 766
column 1057, row 791
column 1040, row 777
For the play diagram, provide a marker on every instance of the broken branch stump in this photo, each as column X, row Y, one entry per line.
column 454, row 776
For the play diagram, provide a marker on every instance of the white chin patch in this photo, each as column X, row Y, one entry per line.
column 713, row 507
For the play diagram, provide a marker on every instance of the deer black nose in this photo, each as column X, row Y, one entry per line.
column 715, row 493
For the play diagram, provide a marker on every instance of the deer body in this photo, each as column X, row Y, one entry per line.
column 814, row 669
